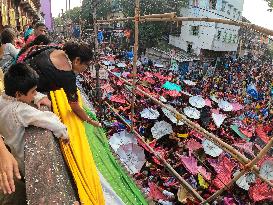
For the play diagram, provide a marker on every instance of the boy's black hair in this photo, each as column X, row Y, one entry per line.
column 20, row 78
column 81, row 50
column 7, row 36
column 38, row 24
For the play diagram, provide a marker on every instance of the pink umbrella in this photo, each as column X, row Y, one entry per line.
column 208, row 102
column 237, row 106
column 173, row 93
column 118, row 99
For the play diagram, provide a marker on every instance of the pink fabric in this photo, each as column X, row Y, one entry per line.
column 208, row 102
column 191, row 164
column 193, row 145
column 118, row 99
column 261, row 133
column 30, row 39
column 260, row 191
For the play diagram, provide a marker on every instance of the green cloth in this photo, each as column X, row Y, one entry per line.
column 112, row 171
column 235, row 128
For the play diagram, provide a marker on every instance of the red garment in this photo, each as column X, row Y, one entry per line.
column 30, row 39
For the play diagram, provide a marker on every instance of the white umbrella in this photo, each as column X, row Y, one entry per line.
column 162, row 99
column 197, row 101
column 161, row 128
column 158, row 65
column 192, row 113
column 211, row 149
column 132, row 156
column 213, row 98
column 121, row 65
column 106, row 62
column 189, row 82
column 121, row 138
column 218, row 119
column 150, row 113
column 171, row 115
column 266, row 170
column 186, row 93
column 225, row 105
column 245, row 180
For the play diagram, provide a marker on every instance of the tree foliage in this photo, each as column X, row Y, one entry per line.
column 270, row 4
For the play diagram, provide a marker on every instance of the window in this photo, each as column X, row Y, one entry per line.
column 212, row 4
column 219, row 35
column 195, row 3
column 189, row 48
column 195, row 30
column 223, row 7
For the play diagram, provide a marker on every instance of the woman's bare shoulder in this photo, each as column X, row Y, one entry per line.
column 60, row 60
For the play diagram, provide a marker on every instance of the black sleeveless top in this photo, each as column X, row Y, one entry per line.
column 50, row 78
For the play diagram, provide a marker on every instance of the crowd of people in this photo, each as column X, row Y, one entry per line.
column 244, row 85
column 231, row 98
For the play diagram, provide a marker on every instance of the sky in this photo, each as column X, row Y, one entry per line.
column 254, row 10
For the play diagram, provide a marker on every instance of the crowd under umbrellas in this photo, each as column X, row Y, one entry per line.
column 234, row 103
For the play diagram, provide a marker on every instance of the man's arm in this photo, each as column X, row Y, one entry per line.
column 8, row 168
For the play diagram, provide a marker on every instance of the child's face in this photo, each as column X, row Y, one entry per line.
column 29, row 97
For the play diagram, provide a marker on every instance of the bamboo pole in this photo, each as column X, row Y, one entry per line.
column 134, row 71
column 233, row 152
column 239, row 175
column 159, row 157
column 204, row 19
column 171, row 15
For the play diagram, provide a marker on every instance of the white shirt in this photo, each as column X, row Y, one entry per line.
column 15, row 116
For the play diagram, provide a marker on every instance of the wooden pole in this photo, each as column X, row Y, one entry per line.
column 134, row 72
column 159, row 157
column 239, row 175
column 160, row 16
column 204, row 19
column 233, row 152
column 96, row 65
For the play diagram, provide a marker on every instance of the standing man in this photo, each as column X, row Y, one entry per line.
column 39, row 29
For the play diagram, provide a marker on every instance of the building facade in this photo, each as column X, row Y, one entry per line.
column 202, row 37
column 46, row 13
column 17, row 13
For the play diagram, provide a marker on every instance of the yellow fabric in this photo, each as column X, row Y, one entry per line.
column 77, row 154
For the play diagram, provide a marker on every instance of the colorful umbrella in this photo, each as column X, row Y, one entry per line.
column 160, row 129
column 189, row 82
column 132, row 156
column 171, row 115
column 118, row 99
column 192, row 113
column 172, row 86
column 197, row 101
column 211, row 149
column 121, row 138
column 150, row 113
column 225, row 105
column 121, row 65
column 157, row 65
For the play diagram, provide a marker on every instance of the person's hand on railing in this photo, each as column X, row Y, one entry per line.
column 8, row 170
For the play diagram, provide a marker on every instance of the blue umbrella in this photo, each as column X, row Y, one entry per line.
column 252, row 91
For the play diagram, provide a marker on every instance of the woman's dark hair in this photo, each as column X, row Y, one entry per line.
column 20, row 78
column 81, row 50
column 39, row 40
column 7, row 36
column 38, row 24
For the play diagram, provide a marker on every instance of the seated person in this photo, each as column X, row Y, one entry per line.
column 16, row 113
